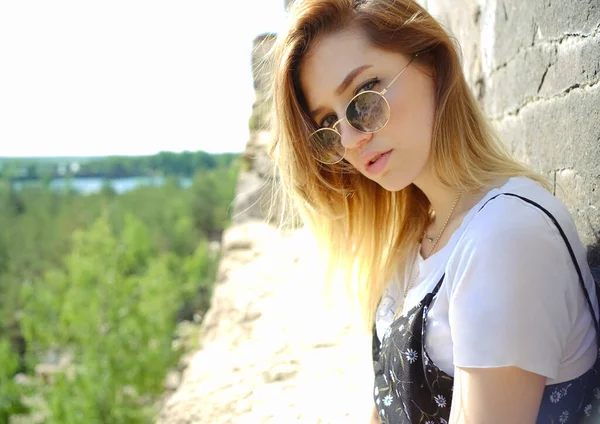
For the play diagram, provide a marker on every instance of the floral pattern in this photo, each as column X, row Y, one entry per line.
column 440, row 400
column 555, row 396
column 411, row 356
column 387, row 401
column 410, row 388
column 564, row 417
column 400, row 364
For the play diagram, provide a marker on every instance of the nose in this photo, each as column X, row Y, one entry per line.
column 351, row 138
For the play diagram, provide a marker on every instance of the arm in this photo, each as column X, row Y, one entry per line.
column 511, row 312
column 496, row 395
column 375, row 416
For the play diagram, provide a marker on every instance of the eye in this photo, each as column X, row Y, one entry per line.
column 328, row 121
column 368, row 86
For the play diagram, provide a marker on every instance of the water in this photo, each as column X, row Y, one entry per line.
column 94, row 185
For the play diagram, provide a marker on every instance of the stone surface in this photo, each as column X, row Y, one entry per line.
column 273, row 351
column 466, row 28
column 254, row 191
column 548, row 137
column 583, row 193
column 519, row 25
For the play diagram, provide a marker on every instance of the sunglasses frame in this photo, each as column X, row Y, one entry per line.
column 381, row 94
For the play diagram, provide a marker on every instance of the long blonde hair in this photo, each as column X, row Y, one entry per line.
column 367, row 232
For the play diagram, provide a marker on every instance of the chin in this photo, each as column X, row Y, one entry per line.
column 393, row 184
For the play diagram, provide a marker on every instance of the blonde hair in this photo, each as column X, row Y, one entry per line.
column 367, row 232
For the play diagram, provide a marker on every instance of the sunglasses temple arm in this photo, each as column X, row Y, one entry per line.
column 397, row 76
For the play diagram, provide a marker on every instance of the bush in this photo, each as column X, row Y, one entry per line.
column 114, row 309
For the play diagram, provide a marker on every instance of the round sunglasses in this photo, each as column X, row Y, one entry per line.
column 367, row 112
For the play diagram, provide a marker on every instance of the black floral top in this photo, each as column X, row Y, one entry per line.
column 410, row 388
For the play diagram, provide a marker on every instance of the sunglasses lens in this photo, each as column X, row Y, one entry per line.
column 327, row 146
column 368, row 112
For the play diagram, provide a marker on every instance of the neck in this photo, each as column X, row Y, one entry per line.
column 442, row 198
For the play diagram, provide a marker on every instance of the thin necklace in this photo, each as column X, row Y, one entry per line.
column 413, row 279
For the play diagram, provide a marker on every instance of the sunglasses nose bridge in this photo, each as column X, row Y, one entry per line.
column 350, row 137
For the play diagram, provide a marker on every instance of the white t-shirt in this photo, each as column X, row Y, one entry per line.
column 511, row 294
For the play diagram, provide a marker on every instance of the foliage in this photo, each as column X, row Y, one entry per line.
column 207, row 188
column 9, row 393
column 103, row 279
column 114, row 308
column 163, row 163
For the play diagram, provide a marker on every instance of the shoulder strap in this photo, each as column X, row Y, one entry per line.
column 571, row 253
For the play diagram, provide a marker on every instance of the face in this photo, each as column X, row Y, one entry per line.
column 407, row 135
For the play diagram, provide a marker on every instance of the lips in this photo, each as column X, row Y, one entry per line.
column 368, row 158
column 375, row 158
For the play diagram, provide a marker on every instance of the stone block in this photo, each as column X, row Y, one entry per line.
column 580, row 192
column 512, row 85
column 514, row 28
column 557, row 133
column 576, row 63
column 465, row 27
column 518, row 25
column 556, row 19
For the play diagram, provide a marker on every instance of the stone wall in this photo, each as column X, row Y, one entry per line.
column 535, row 67
column 271, row 350
column 254, row 189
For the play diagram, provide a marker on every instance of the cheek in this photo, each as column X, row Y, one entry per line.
column 426, row 107
column 352, row 158
column 428, row 112
column 413, row 116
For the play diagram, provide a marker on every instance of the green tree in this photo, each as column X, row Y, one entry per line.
column 10, row 402
column 60, row 249
column 213, row 192
column 114, row 309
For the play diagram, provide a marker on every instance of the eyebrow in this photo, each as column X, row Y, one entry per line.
column 343, row 86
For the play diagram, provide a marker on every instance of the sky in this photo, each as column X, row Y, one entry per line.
column 128, row 77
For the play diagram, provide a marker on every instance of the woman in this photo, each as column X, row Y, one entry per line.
column 479, row 311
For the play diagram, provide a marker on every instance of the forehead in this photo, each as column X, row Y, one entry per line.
column 331, row 59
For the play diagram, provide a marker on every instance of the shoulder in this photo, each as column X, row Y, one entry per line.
column 505, row 219
column 515, row 240
column 511, row 297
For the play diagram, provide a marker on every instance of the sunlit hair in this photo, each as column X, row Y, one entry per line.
column 367, row 232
